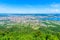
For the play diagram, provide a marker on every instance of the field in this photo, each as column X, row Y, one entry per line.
column 29, row 29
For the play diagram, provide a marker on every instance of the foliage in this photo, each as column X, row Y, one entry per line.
column 26, row 32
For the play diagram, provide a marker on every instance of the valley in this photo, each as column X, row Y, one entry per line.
column 29, row 27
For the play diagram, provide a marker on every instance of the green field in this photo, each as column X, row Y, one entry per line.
column 46, row 30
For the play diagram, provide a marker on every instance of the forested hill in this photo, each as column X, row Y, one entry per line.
column 29, row 27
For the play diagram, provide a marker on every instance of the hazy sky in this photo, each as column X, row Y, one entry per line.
column 29, row 6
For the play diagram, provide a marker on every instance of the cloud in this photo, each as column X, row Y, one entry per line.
column 55, row 8
column 55, row 5
column 30, row 9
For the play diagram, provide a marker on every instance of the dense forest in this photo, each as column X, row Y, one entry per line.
column 30, row 32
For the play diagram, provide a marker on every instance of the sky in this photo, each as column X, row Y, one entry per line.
column 29, row 6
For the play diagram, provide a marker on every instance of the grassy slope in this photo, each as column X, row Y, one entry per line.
column 26, row 32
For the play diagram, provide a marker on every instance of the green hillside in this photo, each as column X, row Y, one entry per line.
column 50, row 30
